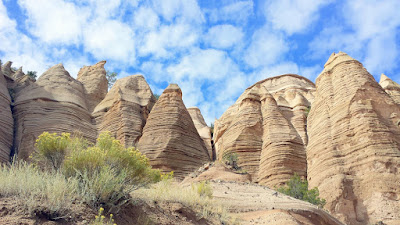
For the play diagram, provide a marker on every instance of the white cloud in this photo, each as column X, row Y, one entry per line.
column 208, row 64
column 146, row 18
column 110, row 39
column 224, row 36
column 238, row 12
column 104, row 8
column 168, row 37
column 293, row 16
column 382, row 54
column 54, row 21
column 266, row 48
column 186, row 10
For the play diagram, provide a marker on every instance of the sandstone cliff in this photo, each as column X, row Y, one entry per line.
column 248, row 128
column 6, row 121
column 202, row 128
column 125, row 109
column 95, row 83
column 55, row 103
column 170, row 139
column 354, row 137
column 391, row 87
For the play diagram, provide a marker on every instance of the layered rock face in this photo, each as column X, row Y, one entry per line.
column 353, row 154
column 125, row 109
column 6, row 121
column 170, row 139
column 270, row 151
column 202, row 128
column 391, row 87
column 95, row 83
column 55, row 103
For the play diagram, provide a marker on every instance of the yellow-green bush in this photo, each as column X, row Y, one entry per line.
column 204, row 189
column 51, row 149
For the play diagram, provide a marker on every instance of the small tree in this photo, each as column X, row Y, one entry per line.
column 298, row 188
column 157, row 96
column 32, row 74
column 111, row 78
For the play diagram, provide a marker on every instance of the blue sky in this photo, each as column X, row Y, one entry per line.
column 214, row 50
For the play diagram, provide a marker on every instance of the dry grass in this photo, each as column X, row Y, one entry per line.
column 37, row 190
column 170, row 191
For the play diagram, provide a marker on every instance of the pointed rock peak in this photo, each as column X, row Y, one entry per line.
column 19, row 73
column 6, row 69
column 172, row 89
column 387, row 83
column 335, row 59
column 384, row 78
column 55, row 72
column 85, row 70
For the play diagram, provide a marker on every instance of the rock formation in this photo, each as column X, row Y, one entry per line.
column 391, row 87
column 202, row 128
column 55, row 103
column 95, row 83
column 6, row 121
column 248, row 128
column 353, row 153
column 6, row 69
column 170, row 139
column 125, row 109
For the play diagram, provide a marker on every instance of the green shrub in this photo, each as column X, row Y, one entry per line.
column 231, row 159
column 204, row 189
column 51, row 149
column 298, row 188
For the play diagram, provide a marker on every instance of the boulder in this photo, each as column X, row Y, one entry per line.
column 170, row 139
column 125, row 109
column 95, row 83
column 202, row 128
column 6, row 121
column 353, row 154
column 391, row 87
column 249, row 128
column 55, row 103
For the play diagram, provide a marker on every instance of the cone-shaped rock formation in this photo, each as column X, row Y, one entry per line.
column 202, row 128
column 95, row 83
column 125, row 109
column 249, row 128
column 170, row 139
column 6, row 121
column 391, row 87
column 55, row 103
column 353, row 153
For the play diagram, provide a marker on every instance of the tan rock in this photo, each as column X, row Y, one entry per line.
column 247, row 127
column 391, row 87
column 6, row 121
column 18, row 74
column 95, row 83
column 354, row 137
column 202, row 128
column 55, row 103
column 6, row 69
column 170, row 139
column 125, row 109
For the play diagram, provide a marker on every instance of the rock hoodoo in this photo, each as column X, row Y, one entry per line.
column 55, row 103
column 170, row 139
column 202, row 128
column 95, row 83
column 354, row 137
column 391, row 87
column 6, row 121
column 248, row 128
column 125, row 109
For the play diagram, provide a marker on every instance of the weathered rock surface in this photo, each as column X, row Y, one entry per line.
column 354, row 137
column 125, row 109
column 95, row 83
column 6, row 69
column 55, row 103
column 249, row 128
column 170, row 139
column 6, row 121
column 202, row 128
column 391, row 87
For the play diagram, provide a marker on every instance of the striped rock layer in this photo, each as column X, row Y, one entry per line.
column 202, row 128
column 125, row 109
column 170, row 139
column 6, row 121
column 266, row 128
column 391, row 87
column 55, row 103
column 353, row 154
